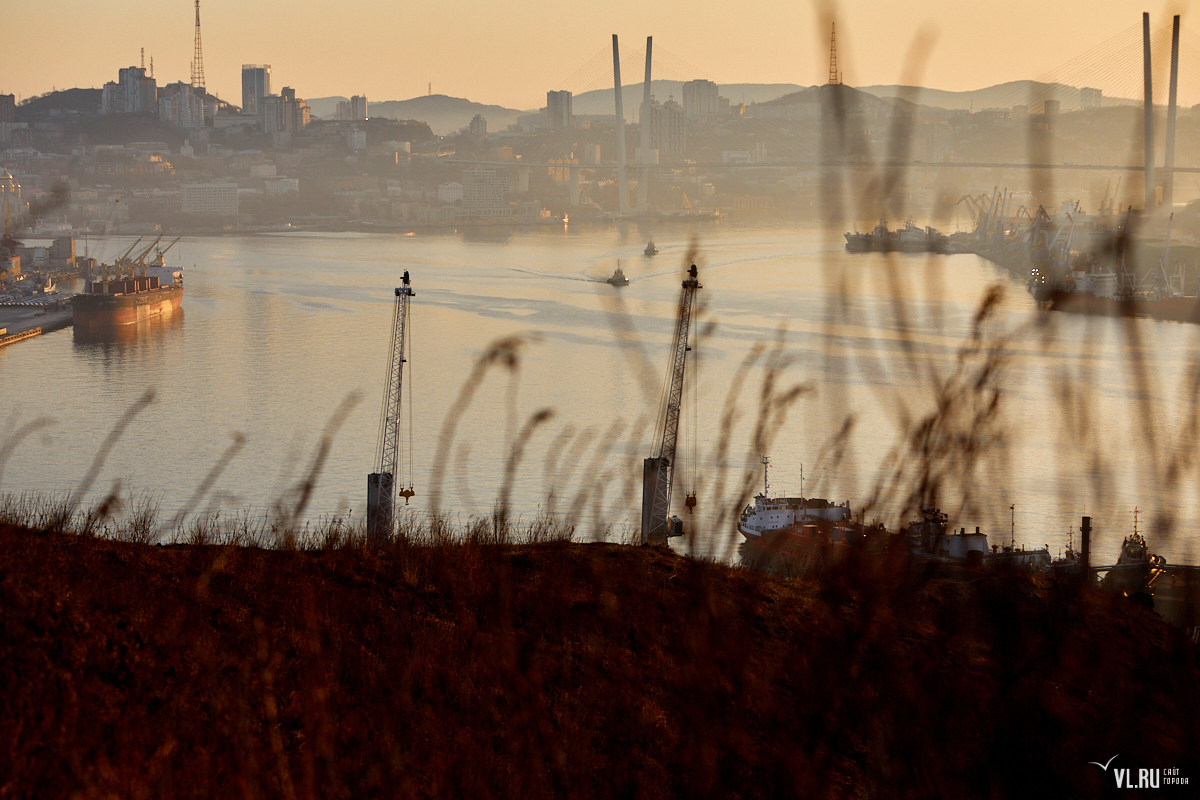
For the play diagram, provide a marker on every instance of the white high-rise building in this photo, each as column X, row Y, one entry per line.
column 700, row 99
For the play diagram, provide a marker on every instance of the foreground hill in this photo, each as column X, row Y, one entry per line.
column 565, row 670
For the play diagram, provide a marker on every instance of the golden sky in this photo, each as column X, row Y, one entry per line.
column 512, row 53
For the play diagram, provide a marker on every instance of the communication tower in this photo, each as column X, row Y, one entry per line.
column 834, row 79
column 198, row 56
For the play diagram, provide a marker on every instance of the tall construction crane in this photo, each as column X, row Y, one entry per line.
column 381, row 484
column 658, row 470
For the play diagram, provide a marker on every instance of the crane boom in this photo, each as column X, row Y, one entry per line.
column 658, row 470
column 381, row 484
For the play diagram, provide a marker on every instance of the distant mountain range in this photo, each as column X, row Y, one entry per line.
column 1031, row 94
column 444, row 114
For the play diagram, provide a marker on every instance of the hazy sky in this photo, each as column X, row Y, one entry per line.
column 511, row 53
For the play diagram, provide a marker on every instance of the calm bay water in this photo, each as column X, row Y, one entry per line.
column 278, row 330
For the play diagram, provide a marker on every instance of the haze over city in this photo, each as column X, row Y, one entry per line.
column 511, row 54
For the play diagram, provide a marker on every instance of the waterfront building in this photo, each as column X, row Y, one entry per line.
column 700, row 99
column 558, row 110
column 450, row 192
column 215, row 198
column 485, row 188
column 256, row 84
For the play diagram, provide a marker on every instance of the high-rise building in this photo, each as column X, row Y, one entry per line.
column 8, row 108
column 558, row 109
column 134, row 92
column 256, row 84
column 668, row 130
column 358, row 107
column 478, row 126
column 180, row 106
column 700, row 99
column 1090, row 98
column 284, row 112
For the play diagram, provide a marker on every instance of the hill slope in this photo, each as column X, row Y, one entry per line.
column 564, row 670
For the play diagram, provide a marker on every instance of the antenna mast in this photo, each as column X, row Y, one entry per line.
column 198, row 56
column 834, row 80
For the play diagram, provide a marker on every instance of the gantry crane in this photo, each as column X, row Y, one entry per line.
column 658, row 470
column 381, row 485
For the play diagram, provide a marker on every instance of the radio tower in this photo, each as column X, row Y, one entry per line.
column 198, row 56
column 833, row 70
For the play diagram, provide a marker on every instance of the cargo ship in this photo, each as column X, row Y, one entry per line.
column 129, row 297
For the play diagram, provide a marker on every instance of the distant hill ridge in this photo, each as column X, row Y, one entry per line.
column 444, row 114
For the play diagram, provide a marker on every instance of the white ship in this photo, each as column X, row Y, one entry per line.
column 771, row 514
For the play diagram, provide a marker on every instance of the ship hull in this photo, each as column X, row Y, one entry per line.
column 1173, row 309
column 101, row 310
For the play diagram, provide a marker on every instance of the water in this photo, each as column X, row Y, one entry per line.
column 278, row 330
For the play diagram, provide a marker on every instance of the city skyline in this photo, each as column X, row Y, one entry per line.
column 511, row 58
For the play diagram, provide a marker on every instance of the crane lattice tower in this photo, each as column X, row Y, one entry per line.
column 198, row 55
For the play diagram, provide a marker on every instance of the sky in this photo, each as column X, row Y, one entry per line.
column 510, row 54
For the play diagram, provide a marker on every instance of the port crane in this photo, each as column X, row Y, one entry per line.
column 658, row 470
column 381, row 485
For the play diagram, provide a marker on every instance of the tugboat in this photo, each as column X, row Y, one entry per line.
column 618, row 277
column 1136, row 566
column 651, row 250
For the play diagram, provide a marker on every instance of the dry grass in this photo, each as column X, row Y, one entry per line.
column 476, row 668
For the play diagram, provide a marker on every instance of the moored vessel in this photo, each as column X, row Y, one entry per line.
column 128, row 297
column 799, row 515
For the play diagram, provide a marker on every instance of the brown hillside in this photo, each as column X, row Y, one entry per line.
column 564, row 670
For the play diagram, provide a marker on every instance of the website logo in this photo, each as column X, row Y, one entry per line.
column 1150, row 778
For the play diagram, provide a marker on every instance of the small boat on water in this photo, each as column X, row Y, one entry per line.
column 618, row 277
column 651, row 250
